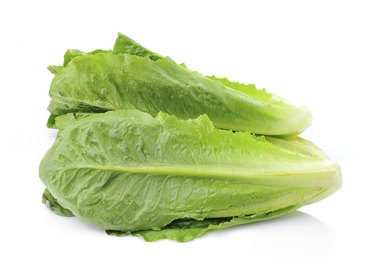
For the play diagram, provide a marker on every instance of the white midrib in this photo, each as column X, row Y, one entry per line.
column 320, row 175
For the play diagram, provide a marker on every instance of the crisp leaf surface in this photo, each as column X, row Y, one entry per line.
column 131, row 76
column 127, row 171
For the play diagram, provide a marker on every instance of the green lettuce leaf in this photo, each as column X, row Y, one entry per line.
column 189, row 229
column 123, row 44
column 159, row 177
column 131, row 76
column 182, row 230
column 127, row 45
column 51, row 203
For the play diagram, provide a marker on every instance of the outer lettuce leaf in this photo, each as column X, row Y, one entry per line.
column 122, row 45
column 188, row 229
column 105, row 81
column 129, row 172
column 132, row 76
column 71, row 54
column 180, row 230
column 128, row 46
column 54, row 68
column 125, row 45
column 51, row 203
column 65, row 120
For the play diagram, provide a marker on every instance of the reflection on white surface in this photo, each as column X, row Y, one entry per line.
column 297, row 234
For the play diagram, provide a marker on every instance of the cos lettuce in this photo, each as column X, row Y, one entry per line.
column 160, row 177
column 133, row 77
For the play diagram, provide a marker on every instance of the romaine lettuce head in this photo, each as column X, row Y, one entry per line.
column 160, row 177
column 131, row 76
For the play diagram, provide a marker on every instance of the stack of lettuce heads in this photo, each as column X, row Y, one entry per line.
column 147, row 147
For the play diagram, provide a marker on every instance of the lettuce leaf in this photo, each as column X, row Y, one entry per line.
column 131, row 76
column 127, row 45
column 51, row 203
column 160, row 177
column 189, row 229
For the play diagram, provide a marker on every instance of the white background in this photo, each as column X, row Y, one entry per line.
column 316, row 53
